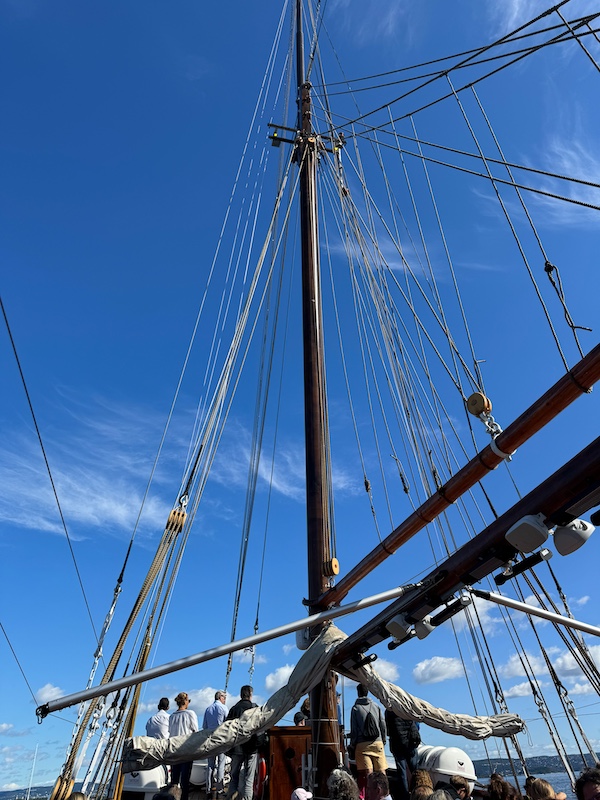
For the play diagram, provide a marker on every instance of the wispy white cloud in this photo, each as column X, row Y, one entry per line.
column 275, row 680
column 438, row 669
column 571, row 152
column 285, row 477
column 510, row 14
column 8, row 729
column 99, row 467
column 287, row 648
column 374, row 20
column 195, row 68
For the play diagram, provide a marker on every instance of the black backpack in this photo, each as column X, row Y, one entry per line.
column 407, row 734
column 371, row 728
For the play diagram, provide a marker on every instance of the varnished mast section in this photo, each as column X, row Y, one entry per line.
column 323, row 703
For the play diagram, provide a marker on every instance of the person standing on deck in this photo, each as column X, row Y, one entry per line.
column 404, row 739
column 181, row 723
column 158, row 725
column 243, row 757
column 367, row 736
column 215, row 715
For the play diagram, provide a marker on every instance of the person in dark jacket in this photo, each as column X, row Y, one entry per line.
column 243, row 757
column 404, row 740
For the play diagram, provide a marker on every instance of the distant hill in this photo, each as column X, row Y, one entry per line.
column 537, row 765
column 37, row 793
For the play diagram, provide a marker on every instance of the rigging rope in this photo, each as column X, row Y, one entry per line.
column 473, row 50
column 481, row 50
column 47, row 463
column 549, row 268
column 512, row 228
column 443, row 72
column 578, row 40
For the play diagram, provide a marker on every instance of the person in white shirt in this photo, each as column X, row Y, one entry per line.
column 181, row 723
column 158, row 725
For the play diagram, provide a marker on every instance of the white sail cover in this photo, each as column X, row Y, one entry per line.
column 144, row 752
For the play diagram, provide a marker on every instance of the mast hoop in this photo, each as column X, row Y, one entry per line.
column 500, row 453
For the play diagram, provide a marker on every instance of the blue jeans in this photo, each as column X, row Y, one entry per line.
column 242, row 776
column 403, row 764
column 215, row 773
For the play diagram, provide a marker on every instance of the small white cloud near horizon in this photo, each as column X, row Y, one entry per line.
column 579, row 601
column 487, row 617
column 438, row 669
column 245, row 657
column 200, row 699
column 582, row 688
column 387, row 669
column 47, row 692
column 520, row 690
column 275, row 680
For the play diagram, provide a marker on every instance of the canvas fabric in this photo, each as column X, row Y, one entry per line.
column 143, row 752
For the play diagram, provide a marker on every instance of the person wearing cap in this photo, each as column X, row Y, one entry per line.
column 301, row 794
column 181, row 723
column 158, row 725
column 215, row 715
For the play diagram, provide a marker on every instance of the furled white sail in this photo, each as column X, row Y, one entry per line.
column 144, row 752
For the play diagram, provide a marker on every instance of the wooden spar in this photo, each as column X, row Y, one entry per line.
column 576, row 382
column 323, row 701
column 572, row 490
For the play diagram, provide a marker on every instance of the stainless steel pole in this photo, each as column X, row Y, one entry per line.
column 535, row 611
column 215, row 652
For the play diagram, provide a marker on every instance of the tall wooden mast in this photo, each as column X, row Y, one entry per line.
column 323, row 702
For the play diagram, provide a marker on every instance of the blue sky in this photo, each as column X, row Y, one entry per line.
column 123, row 127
